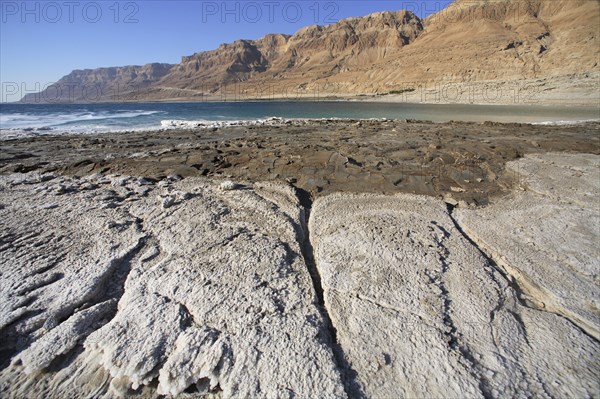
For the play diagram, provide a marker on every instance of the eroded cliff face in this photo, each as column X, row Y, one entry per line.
column 469, row 42
column 497, row 41
column 504, row 40
column 312, row 53
column 102, row 84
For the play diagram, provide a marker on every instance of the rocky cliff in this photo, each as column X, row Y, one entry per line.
column 102, row 84
column 472, row 42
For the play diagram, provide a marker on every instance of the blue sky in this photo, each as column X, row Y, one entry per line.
column 41, row 41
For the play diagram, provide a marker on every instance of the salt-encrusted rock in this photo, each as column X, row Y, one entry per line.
column 212, row 126
column 88, row 186
column 142, row 190
column 183, row 195
column 228, row 185
column 174, row 177
column 138, row 344
column 63, row 337
column 213, row 296
column 60, row 189
column 420, row 312
column 29, row 178
column 55, row 258
column 463, row 204
column 47, row 177
column 144, row 182
column 168, row 201
column 546, row 237
column 40, row 188
column 450, row 201
column 201, row 357
column 164, row 183
column 119, row 180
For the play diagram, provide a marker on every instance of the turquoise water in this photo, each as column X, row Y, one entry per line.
column 31, row 119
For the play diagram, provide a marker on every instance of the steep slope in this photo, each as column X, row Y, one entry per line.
column 313, row 53
column 238, row 61
column 472, row 42
column 505, row 39
column 102, row 84
column 549, row 45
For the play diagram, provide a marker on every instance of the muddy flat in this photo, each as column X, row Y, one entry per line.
column 462, row 160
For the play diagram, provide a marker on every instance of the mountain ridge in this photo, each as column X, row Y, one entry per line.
column 386, row 52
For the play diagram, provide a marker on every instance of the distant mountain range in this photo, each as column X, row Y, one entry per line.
column 552, row 43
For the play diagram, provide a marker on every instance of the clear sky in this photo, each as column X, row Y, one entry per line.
column 41, row 41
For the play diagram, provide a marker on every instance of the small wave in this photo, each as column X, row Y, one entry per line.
column 108, row 115
column 33, row 121
column 565, row 122
column 14, row 133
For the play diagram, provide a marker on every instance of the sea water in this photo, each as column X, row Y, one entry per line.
column 17, row 120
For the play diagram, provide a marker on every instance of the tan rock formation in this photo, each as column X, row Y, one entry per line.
column 551, row 46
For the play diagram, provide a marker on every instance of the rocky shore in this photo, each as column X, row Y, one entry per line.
column 464, row 161
column 335, row 259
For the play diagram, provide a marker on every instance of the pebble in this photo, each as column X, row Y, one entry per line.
column 174, row 178
column 228, row 185
column 168, row 201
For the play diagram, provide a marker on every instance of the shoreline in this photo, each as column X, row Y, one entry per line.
column 376, row 98
column 462, row 161
column 174, row 125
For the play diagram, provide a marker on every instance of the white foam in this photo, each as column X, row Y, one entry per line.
column 565, row 122
column 31, row 121
column 8, row 134
column 173, row 124
column 201, row 123
column 270, row 121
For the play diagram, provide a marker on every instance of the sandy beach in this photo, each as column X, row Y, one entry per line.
column 309, row 259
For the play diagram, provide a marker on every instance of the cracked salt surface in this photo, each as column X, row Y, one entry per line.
column 420, row 312
column 213, row 292
column 247, row 292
